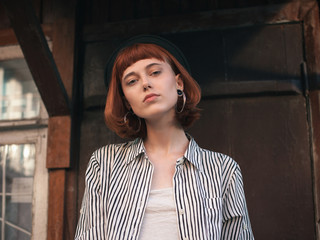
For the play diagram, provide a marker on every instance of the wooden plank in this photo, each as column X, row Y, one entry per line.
column 272, row 14
column 268, row 136
column 93, row 14
column 315, row 120
column 47, row 11
column 38, row 56
column 62, row 14
column 312, row 53
column 8, row 37
column 58, row 153
column 63, row 50
column 312, row 46
column 37, row 5
column 56, row 204
column 70, row 199
column 4, row 20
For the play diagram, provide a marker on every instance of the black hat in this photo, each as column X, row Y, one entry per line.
column 162, row 42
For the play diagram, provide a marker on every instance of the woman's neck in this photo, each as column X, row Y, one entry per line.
column 165, row 143
column 166, row 139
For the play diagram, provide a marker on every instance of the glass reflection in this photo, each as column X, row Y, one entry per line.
column 19, row 97
column 14, row 234
column 17, row 165
column 20, row 161
column 19, row 214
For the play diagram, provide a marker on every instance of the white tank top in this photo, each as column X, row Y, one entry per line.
column 160, row 218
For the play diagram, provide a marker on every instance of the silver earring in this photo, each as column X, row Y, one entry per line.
column 126, row 120
column 184, row 98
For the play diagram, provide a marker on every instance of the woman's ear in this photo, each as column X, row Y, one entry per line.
column 179, row 82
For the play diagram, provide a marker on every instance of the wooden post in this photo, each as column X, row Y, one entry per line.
column 56, row 98
column 38, row 56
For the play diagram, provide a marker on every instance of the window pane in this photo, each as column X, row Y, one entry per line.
column 19, row 214
column 14, row 234
column 19, row 97
column 20, row 160
column 18, row 163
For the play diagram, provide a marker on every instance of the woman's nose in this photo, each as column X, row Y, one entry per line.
column 146, row 83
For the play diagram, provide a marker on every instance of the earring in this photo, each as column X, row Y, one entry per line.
column 184, row 98
column 126, row 120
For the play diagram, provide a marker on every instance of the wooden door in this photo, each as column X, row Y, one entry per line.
column 254, row 109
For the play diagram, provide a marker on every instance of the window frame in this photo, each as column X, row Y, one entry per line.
column 40, row 179
column 31, row 131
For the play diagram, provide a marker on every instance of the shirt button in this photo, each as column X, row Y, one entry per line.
column 180, row 161
column 245, row 227
column 181, row 211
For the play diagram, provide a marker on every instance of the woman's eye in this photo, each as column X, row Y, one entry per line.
column 132, row 81
column 154, row 73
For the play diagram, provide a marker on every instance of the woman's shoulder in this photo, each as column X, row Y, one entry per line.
column 215, row 158
column 219, row 156
column 113, row 146
column 218, row 164
column 112, row 150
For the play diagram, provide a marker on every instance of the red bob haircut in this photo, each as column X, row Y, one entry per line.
column 116, row 107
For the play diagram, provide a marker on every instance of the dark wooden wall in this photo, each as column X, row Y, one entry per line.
column 258, row 65
column 98, row 12
column 252, row 61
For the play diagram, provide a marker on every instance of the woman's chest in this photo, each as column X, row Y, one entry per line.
column 197, row 200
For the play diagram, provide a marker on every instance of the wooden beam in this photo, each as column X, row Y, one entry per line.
column 271, row 14
column 56, row 209
column 8, row 37
column 63, row 50
column 312, row 46
column 315, row 120
column 38, row 56
column 312, row 53
column 58, row 153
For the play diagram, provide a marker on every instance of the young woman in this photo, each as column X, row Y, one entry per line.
column 161, row 185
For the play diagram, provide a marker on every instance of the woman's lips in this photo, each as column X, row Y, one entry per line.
column 150, row 97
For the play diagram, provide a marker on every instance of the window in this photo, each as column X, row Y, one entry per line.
column 16, row 171
column 19, row 98
column 23, row 142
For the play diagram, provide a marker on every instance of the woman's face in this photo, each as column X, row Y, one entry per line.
column 150, row 88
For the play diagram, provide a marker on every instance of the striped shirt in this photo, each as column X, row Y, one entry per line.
column 208, row 193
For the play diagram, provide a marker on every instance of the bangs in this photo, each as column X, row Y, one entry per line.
column 134, row 53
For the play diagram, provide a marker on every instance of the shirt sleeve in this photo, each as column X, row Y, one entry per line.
column 90, row 213
column 236, row 222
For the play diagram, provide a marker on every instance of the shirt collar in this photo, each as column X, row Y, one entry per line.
column 191, row 154
column 135, row 148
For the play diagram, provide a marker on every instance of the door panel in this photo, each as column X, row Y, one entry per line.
column 245, row 59
column 268, row 137
column 254, row 110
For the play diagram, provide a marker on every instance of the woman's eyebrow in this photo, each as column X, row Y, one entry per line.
column 151, row 64
column 128, row 75
column 146, row 67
